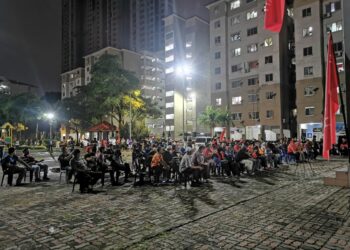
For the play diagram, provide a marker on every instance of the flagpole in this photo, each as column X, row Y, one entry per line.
column 342, row 106
column 342, row 109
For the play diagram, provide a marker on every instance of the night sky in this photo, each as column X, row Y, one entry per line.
column 30, row 39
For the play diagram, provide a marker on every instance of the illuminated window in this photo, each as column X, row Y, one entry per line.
column 169, row 47
column 236, row 52
column 169, row 93
column 188, row 44
column 169, row 70
column 236, row 100
column 336, row 26
column 169, row 58
column 235, row 4
column 252, row 48
column 308, row 31
column 170, row 128
column 236, row 36
column 169, row 105
column 268, row 42
column 169, row 117
column 252, row 14
column 218, row 101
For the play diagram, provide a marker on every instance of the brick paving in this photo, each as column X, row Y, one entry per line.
column 285, row 209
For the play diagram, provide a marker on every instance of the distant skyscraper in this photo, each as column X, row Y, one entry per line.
column 147, row 25
column 90, row 25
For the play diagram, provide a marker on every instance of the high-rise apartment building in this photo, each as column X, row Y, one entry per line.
column 251, row 70
column 186, row 74
column 90, row 25
column 147, row 25
column 152, row 81
column 313, row 20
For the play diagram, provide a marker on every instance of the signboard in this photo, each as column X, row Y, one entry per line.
column 286, row 133
column 270, row 135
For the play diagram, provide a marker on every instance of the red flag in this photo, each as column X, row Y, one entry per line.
column 222, row 135
column 274, row 14
column 331, row 101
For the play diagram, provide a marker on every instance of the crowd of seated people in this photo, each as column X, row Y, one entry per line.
column 164, row 161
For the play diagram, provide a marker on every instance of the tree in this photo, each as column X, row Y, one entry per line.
column 225, row 118
column 111, row 92
column 210, row 118
column 21, row 108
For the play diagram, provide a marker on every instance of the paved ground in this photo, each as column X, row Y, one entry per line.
column 285, row 209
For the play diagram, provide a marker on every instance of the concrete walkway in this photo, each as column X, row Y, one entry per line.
column 285, row 209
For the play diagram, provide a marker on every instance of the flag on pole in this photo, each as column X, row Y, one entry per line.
column 331, row 101
column 222, row 135
column 274, row 14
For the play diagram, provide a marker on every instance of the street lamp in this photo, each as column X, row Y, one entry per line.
column 50, row 117
column 182, row 71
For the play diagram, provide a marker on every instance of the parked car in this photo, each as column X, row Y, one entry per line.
column 202, row 140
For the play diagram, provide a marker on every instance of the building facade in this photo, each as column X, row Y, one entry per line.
column 251, row 70
column 14, row 87
column 187, row 87
column 153, row 82
column 90, row 25
column 147, row 25
column 313, row 20
column 147, row 67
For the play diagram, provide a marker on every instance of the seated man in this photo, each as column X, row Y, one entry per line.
column 198, row 161
column 64, row 159
column 30, row 160
column 9, row 165
column 244, row 158
column 102, row 165
column 118, row 165
column 186, row 167
column 86, row 177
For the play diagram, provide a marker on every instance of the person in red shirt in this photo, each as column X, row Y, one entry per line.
column 158, row 165
column 292, row 150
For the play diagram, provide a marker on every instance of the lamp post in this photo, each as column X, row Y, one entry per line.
column 50, row 117
column 182, row 71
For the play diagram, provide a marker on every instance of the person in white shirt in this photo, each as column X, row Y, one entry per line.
column 187, row 168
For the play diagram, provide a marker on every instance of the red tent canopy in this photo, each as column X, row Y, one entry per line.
column 103, row 127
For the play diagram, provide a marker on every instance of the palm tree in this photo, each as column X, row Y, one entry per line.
column 210, row 117
column 225, row 118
